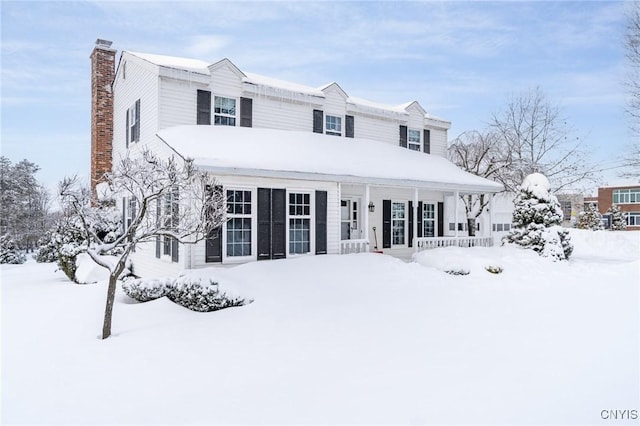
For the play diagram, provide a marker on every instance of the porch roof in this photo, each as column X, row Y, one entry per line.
column 243, row 151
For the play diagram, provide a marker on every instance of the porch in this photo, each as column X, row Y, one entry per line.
column 419, row 244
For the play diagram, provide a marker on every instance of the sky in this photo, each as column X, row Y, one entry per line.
column 460, row 60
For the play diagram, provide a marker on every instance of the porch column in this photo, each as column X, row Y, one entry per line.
column 415, row 219
column 456, row 195
column 490, row 195
column 365, row 211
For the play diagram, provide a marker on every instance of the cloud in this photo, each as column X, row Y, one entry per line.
column 206, row 46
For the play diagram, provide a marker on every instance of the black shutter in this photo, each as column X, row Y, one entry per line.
column 174, row 249
column 349, row 126
column 321, row 222
column 158, row 214
column 419, row 219
column 440, row 219
column 386, row 223
column 264, row 223
column 213, row 243
column 137, row 126
column 127, row 142
column 203, row 107
column 318, row 118
column 403, row 136
column 278, row 224
column 246, row 112
column 427, row 141
column 410, row 243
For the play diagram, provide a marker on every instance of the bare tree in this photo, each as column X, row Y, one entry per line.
column 480, row 154
column 170, row 199
column 632, row 43
column 534, row 137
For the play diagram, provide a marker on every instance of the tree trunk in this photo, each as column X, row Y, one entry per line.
column 471, row 226
column 111, row 294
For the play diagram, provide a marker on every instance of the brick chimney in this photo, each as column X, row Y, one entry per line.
column 103, row 60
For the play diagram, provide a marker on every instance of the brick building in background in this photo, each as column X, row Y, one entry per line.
column 626, row 197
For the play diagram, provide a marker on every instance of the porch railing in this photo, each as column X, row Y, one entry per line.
column 435, row 242
column 354, row 246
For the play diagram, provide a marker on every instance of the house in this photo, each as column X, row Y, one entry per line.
column 305, row 170
column 627, row 197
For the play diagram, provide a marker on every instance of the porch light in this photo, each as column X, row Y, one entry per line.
column 372, row 208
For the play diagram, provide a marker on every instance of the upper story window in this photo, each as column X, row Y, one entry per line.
column 133, row 123
column 626, row 196
column 224, row 111
column 413, row 139
column 333, row 125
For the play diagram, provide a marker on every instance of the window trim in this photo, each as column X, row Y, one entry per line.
column 333, row 132
column 235, row 116
column 434, row 220
column 405, row 220
column 636, row 218
column 311, row 217
column 164, row 240
column 254, row 226
column 627, row 193
column 417, row 145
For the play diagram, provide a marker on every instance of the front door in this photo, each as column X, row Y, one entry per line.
column 349, row 223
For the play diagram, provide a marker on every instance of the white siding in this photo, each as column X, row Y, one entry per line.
column 439, row 142
column 376, row 129
column 225, row 82
column 279, row 114
column 141, row 82
column 178, row 102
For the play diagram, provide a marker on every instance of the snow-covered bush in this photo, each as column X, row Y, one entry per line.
column 537, row 217
column 460, row 271
column 144, row 290
column 590, row 219
column 494, row 269
column 194, row 294
column 9, row 252
column 47, row 249
column 618, row 221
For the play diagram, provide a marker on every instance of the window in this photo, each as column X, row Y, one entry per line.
column 170, row 220
column 398, row 222
column 633, row 218
column 224, row 111
column 428, row 220
column 133, row 123
column 333, row 125
column 413, row 139
column 131, row 212
column 299, row 223
column 626, row 196
column 238, row 223
column 566, row 209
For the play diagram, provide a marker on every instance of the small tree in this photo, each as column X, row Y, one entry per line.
column 537, row 219
column 618, row 221
column 9, row 252
column 171, row 198
column 590, row 219
column 477, row 153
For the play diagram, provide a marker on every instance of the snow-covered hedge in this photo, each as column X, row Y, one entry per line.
column 9, row 252
column 191, row 292
column 194, row 294
column 144, row 290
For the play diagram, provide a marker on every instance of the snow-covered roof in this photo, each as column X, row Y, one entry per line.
column 246, row 151
column 261, row 80
column 186, row 64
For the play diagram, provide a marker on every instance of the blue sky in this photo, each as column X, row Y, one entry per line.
column 461, row 60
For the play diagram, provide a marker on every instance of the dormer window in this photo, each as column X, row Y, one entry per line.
column 333, row 125
column 413, row 139
column 133, row 123
column 224, row 112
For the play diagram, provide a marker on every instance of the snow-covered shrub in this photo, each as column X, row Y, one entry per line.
column 194, row 294
column 457, row 271
column 494, row 269
column 144, row 290
column 618, row 221
column 590, row 219
column 47, row 249
column 537, row 217
column 9, row 252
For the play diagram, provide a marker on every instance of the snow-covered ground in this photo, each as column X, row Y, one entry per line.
column 348, row 339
